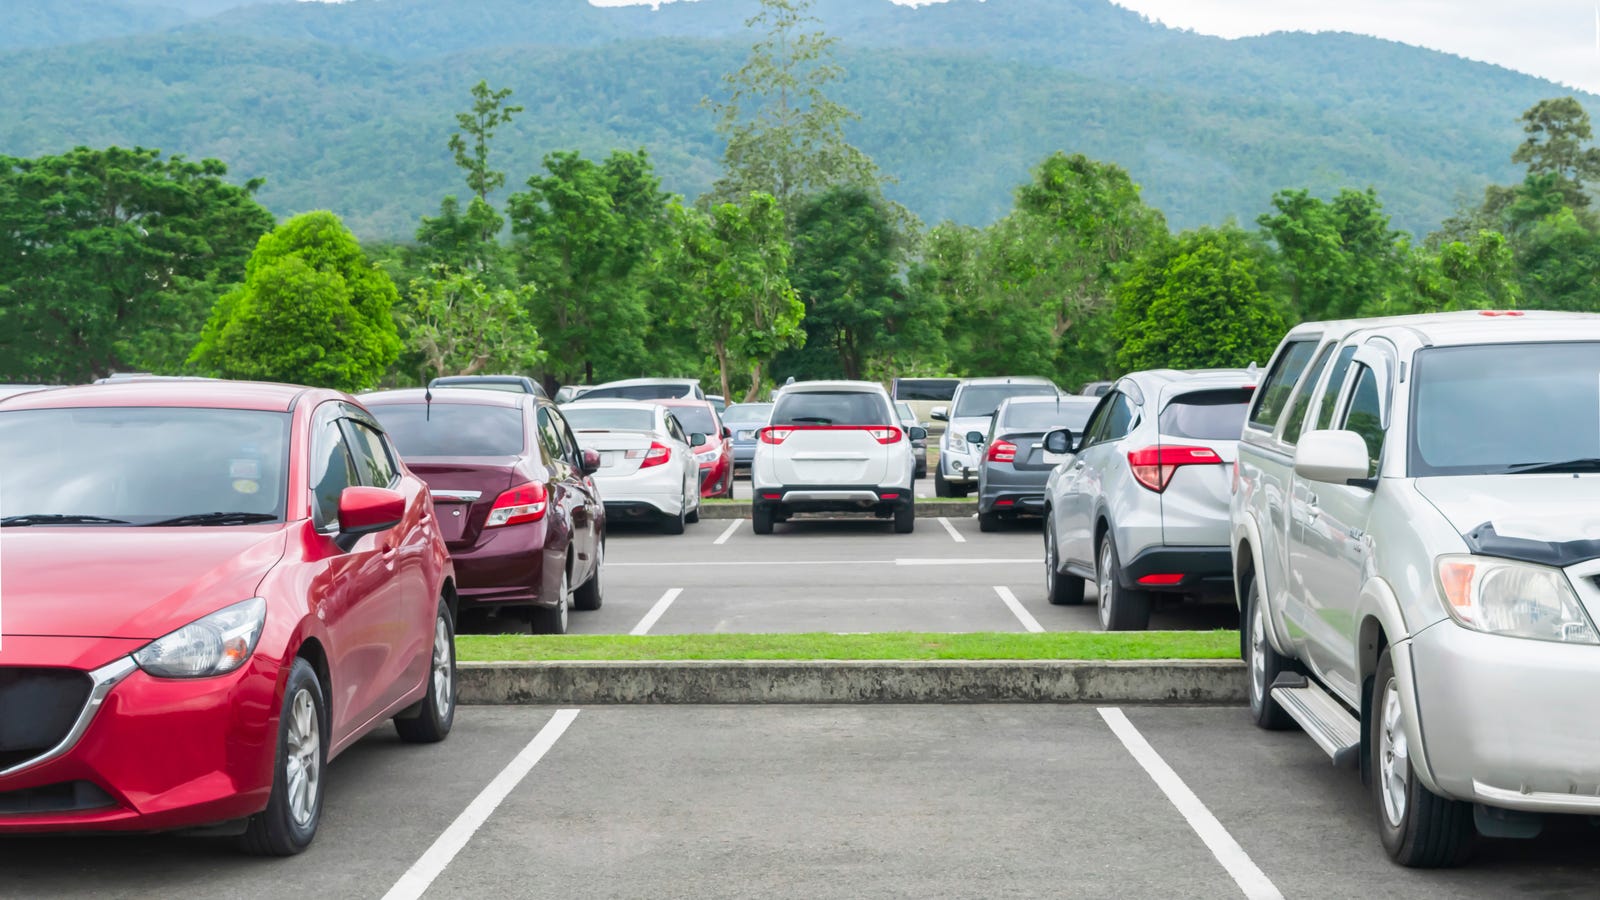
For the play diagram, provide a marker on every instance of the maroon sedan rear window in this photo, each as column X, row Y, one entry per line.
column 452, row 429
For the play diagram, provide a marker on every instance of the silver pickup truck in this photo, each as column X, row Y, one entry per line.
column 1416, row 552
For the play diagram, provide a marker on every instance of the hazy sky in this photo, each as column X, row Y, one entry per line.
column 1555, row 39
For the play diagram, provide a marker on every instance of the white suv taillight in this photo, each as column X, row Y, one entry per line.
column 883, row 434
column 1153, row 467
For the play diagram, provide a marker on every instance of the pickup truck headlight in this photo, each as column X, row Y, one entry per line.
column 1512, row 598
column 958, row 444
column 210, row 645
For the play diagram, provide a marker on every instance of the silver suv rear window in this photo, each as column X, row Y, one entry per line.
column 831, row 408
column 1207, row 415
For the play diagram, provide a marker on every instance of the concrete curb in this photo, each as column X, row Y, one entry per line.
column 1210, row 682
column 926, row 509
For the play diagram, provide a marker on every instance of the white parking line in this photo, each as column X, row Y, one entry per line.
column 954, row 534
column 727, row 533
column 414, row 883
column 1250, row 879
column 655, row 612
column 903, row 561
column 1029, row 623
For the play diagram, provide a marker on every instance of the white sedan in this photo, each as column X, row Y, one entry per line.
column 647, row 465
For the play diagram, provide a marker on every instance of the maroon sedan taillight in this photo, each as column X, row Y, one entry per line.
column 523, row 503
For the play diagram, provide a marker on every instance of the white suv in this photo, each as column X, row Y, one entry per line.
column 833, row 446
column 1416, row 555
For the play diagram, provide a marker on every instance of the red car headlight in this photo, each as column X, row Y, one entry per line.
column 211, row 645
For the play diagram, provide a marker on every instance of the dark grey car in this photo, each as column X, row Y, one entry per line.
column 1014, row 466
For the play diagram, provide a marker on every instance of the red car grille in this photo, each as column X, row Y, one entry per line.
column 37, row 710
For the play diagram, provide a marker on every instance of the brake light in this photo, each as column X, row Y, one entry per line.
column 881, row 433
column 884, row 435
column 1164, row 579
column 1153, row 467
column 774, row 435
column 1002, row 451
column 658, row 454
column 1500, row 312
column 524, row 503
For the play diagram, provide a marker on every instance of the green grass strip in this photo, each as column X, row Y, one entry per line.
column 889, row 645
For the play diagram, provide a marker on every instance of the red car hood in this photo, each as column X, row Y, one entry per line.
column 127, row 582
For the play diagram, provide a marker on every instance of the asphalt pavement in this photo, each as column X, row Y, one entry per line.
column 822, row 802
column 844, row 575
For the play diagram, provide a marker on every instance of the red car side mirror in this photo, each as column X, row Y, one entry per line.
column 366, row 510
column 591, row 462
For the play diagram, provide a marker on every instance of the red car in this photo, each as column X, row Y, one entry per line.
column 211, row 589
column 520, row 514
column 716, row 456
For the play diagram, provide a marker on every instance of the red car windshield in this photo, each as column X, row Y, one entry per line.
column 142, row 465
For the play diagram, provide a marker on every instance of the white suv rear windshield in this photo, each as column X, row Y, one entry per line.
column 831, row 408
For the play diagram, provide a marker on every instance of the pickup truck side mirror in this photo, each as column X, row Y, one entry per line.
column 917, row 433
column 1058, row 441
column 940, row 414
column 975, row 437
column 1332, row 457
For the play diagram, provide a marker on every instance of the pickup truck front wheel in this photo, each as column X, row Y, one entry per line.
column 1420, row 829
column 1264, row 664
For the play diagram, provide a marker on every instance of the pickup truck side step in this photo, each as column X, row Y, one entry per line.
column 1325, row 719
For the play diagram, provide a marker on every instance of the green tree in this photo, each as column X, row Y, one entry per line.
column 587, row 234
column 110, row 259
column 312, row 310
column 1558, row 263
column 1338, row 256
column 1195, row 304
column 1558, row 132
column 470, row 146
column 1476, row 274
column 785, row 136
column 459, row 326
column 735, row 258
column 847, row 258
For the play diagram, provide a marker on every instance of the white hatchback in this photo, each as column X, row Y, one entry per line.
column 834, row 446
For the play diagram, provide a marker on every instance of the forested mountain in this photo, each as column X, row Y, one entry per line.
column 348, row 106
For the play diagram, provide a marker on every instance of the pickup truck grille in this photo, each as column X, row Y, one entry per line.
column 38, row 707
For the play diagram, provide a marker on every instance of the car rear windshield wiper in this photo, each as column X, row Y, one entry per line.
column 1581, row 464
column 809, row 420
column 59, row 519
column 217, row 518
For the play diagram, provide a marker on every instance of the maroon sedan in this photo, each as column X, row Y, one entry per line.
column 211, row 590
column 520, row 514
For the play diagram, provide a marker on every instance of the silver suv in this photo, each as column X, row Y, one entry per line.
column 1416, row 554
column 971, row 409
column 1141, row 504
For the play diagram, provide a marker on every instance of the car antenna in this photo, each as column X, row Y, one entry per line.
column 427, row 399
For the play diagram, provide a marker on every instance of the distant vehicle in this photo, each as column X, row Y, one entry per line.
column 124, row 377
column 833, row 446
column 1142, row 506
column 1016, row 465
column 744, row 420
column 647, row 465
column 570, row 392
column 211, row 591
column 647, row 389
column 923, row 394
column 716, row 455
column 919, row 449
column 970, row 410
column 515, row 384
column 511, row 495
column 717, row 402
column 1096, row 388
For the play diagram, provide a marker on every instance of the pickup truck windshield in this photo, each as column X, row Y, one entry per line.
column 984, row 399
column 1499, row 408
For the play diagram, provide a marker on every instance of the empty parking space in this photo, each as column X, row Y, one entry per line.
column 822, row 801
